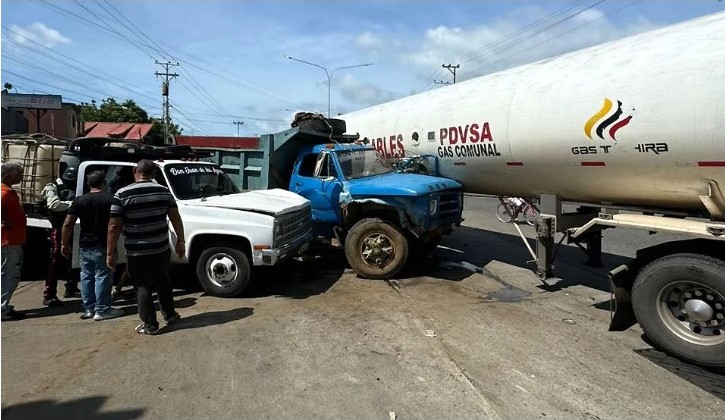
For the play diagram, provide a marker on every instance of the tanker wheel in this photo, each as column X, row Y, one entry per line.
column 505, row 212
column 679, row 300
column 376, row 249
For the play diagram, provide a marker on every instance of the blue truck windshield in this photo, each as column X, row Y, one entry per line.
column 197, row 180
column 362, row 163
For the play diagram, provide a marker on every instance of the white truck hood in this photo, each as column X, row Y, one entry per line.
column 273, row 202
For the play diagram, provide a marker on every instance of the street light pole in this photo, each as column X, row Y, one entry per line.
column 238, row 124
column 329, row 77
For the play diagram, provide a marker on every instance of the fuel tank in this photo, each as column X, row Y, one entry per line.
column 635, row 122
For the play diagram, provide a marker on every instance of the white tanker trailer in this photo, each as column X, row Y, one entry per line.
column 635, row 124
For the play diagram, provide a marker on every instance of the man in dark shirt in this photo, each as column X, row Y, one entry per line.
column 140, row 210
column 94, row 210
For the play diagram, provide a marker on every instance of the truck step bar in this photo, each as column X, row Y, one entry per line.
column 697, row 228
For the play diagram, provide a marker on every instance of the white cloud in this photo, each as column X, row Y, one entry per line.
column 360, row 93
column 39, row 33
column 369, row 42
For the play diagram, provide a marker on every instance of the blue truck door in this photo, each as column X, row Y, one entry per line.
column 316, row 179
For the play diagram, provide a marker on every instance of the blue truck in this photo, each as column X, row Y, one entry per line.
column 381, row 217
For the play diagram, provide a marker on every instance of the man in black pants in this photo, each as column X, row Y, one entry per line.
column 140, row 210
column 58, row 196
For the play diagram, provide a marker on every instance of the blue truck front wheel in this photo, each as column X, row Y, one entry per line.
column 376, row 249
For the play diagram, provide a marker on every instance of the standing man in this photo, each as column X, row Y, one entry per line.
column 13, row 237
column 58, row 198
column 94, row 210
column 140, row 210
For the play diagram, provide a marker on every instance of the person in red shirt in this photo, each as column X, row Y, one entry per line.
column 13, row 237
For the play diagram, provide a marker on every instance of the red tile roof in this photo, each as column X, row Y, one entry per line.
column 126, row 131
column 218, row 142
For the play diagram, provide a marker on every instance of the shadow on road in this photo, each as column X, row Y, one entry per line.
column 293, row 279
column 69, row 306
column 479, row 247
column 208, row 318
column 131, row 308
column 74, row 409
column 709, row 381
column 298, row 279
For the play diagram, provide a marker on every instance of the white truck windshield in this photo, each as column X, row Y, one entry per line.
column 362, row 163
column 189, row 181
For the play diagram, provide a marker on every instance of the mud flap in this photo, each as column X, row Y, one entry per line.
column 622, row 315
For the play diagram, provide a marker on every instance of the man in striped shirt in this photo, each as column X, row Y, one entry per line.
column 140, row 210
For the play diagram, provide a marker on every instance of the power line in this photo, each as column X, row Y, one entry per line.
column 187, row 63
column 111, row 29
column 47, row 85
column 209, row 70
column 515, row 37
column 147, row 40
column 562, row 34
column 140, row 37
column 83, row 19
column 508, row 46
column 93, row 71
column 234, row 116
column 186, row 117
column 58, row 76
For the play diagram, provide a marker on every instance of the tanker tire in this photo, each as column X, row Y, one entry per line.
column 663, row 274
column 367, row 232
column 225, row 258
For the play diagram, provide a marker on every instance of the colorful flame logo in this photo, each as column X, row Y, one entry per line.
column 612, row 119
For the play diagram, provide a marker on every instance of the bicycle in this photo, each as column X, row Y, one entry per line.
column 512, row 207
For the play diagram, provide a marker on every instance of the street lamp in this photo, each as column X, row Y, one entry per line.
column 238, row 124
column 329, row 76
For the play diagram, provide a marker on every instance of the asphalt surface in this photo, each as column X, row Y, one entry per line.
column 313, row 340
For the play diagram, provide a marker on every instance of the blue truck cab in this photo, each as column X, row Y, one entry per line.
column 379, row 215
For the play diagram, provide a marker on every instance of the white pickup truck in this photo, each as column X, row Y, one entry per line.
column 226, row 230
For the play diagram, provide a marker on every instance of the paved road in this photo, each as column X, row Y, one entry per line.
column 313, row 340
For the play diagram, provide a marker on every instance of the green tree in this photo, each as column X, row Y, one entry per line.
column 111, row 110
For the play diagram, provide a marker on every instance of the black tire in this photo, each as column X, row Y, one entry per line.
column 233, row 270
column 338, row 126
column 391, row 256
column 660, row 295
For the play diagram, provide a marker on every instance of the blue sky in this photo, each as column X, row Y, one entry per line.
column 232, row 53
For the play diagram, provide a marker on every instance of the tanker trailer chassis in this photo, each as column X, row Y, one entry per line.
column 675, row 290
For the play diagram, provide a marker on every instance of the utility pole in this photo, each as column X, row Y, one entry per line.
column 165, row 94
column 238, row 124
column 452, row 69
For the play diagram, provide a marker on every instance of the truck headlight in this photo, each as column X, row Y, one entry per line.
column 277, row 227
column 433, row 206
